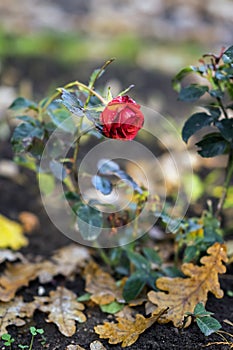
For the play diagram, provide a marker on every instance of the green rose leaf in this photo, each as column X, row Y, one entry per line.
column 102, row 184
column 212, row 145
column 21, row 104
column 181, row 75
column 58, row 170
column 24, row 135
column 196, row 122
column 192, row 92
column 62, row 119
column 72, row 102
column 134, row 285
column 216, row 93
column 228, row 55
column 225, row 126
column 90, row 222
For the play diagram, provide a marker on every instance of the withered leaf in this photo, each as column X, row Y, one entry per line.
column 183, row 294
column 14, row 312
column 63, row 309
column 65, row 261
column 101, row 285
column 126, row 331
column 14, row 277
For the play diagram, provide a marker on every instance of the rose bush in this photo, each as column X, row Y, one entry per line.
column 121, row 119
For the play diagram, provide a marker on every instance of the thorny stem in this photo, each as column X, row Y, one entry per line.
column 222, row 107
column 75, row 157
column 228, row 176
column 91, row 86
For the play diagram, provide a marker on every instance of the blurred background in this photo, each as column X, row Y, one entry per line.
column 47, row 43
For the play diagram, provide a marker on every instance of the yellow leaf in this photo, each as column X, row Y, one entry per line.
column 14, row 312
column 101, row 285
column 183, row 294
column 63, row 309
column 126, row 331
column 11, row 234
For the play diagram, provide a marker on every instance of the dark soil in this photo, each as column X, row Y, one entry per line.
column 16, row 197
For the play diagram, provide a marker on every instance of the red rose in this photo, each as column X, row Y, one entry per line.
column 121, row 119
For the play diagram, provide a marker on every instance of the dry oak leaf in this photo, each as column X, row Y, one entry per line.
column 126, row 331
column 11, row 234
column 14, row 313
column 183, row 294
column 65, row 261
column 101, row 285
column 14, row 277
column 63, row 309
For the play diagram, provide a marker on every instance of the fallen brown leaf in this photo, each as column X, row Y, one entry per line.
column 183, row 294
column 29, row 221
column 63, row 309
column 101, row 285
column 65, row 261
column 14, row 277
column 126, row 331
column 14, row 312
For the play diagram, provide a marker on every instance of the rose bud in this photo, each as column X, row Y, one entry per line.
column 121, row 119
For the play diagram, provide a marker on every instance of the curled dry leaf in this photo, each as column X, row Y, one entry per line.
column 63, row 309
column 66, row 261
column 183, row 294
column 101, row 285
column 29, row 221
column 14, row 277
column 126, row 331
column 11, row 234
column 14, row 312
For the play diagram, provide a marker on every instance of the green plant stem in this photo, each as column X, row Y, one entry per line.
column 75, row 156
column 68, row 86
column 31, row 343
column 226, row 184
column 104, row 256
